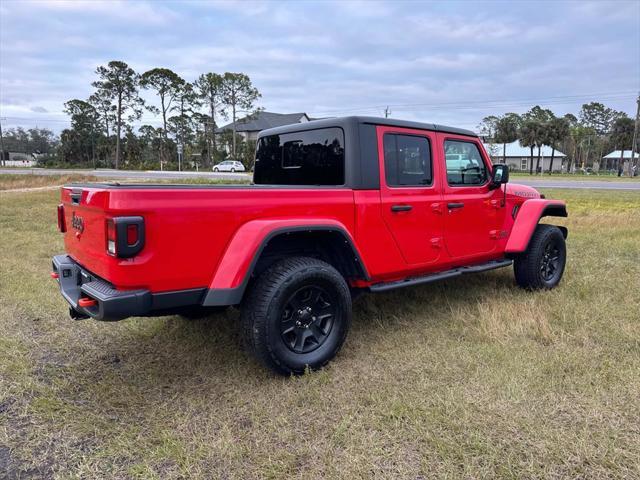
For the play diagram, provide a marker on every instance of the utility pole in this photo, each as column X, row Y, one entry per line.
column 93, row 140
column 635, row 138
column 2, row 143
column 387, row 112
column 93, row 146
column 585, row 159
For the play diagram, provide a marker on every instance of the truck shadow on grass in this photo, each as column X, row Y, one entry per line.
column 172, row 350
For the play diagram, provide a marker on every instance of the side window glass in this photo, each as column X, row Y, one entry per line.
column 293, row 154
column 464, row 163
column 308, row 157
column 407, row 160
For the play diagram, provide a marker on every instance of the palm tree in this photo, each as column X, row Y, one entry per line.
column 530, row 136
column 507, row 131
column 542, row 140
column 622, row 137
column 558, row 130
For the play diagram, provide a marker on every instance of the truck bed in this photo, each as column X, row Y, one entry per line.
column 188, row 227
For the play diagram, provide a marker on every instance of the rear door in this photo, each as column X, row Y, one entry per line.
column 410, row 190
column 472, row 209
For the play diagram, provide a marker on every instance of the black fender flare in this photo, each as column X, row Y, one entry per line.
column 233, row 296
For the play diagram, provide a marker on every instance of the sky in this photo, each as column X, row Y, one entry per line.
column 443, row 62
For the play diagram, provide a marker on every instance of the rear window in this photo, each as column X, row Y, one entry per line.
column 407, row 160
column 313, row 157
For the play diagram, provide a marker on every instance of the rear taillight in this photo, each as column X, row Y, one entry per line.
column 111, row 236
column 61, row 223
column 132, row 234
column 124, row 236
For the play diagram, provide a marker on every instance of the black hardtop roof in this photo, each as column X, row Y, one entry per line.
column 343, row 121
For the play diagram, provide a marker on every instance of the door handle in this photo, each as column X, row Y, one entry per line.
column 401, row 208
column 453, row 205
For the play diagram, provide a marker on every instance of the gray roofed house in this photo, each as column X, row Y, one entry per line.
column 518, row 157
column 626, row 154
column 612, row 160
column 249, row 127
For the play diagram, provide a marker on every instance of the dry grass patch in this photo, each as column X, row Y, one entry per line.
column 24, row 181
column 28, row 181
column 468, row 378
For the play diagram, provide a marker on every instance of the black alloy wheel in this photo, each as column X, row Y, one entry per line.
column 541, row 266
column 550, row 264
column 296, row 315
column 307, row 319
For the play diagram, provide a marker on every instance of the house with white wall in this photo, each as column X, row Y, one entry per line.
column 519, row 158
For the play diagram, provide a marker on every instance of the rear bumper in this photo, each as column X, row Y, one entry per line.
column 110, row 304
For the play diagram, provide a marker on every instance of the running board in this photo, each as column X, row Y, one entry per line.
column 383, row 287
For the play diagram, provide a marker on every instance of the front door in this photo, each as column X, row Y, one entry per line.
column 472, row 210
column 410, row 190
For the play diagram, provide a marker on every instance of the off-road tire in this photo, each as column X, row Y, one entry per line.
column 529, row 267
column 265, row 309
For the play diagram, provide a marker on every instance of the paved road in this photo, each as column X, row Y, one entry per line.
column 581, row 184
column 153, row 175
column 128, row 174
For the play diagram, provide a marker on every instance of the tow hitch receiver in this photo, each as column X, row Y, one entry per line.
column 85, row 302
column 90, row 296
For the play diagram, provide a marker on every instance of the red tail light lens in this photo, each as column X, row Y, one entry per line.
column 111, row 236
column 124, row 236
column 61, row 223
column 132, row 234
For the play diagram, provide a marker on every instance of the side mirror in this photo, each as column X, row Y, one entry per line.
column 500, row 175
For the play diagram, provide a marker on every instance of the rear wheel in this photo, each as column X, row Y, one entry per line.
column 542, row 265
column 233, row 170
column 297, row 315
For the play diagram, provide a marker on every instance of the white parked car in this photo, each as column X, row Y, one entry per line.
column 229, row 166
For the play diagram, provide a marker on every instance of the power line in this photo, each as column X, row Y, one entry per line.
column 453, row 106
column 472, row 104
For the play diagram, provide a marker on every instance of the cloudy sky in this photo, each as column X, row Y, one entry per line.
column 445, row 62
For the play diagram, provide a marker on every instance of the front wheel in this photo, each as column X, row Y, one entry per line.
column 541, row 266
column 233, row 170
column 297, row 315
column 216, row 169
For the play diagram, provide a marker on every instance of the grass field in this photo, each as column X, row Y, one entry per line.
column 469, row 378
column 18, row 182
column 22, row 182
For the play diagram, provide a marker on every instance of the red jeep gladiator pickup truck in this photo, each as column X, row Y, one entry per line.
column 337, row 206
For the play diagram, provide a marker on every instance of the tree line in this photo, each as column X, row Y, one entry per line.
column 585, row 139
column 102, row 134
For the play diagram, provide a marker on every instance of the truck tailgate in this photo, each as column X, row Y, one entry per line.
column 85, row 215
